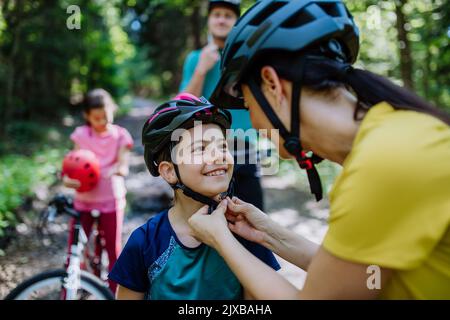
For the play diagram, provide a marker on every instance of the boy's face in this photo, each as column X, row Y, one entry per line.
column 220, row 21
column 99, row 118
column 204, row 161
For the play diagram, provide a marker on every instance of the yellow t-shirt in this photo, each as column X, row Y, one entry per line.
column 390, row 206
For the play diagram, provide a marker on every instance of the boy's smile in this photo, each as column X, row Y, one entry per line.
column 219, row 171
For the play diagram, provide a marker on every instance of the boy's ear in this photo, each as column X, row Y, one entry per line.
column 167, row 172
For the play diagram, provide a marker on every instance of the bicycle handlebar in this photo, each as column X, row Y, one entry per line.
column 63, row 204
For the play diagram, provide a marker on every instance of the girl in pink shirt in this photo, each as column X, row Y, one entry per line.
column 111, row 144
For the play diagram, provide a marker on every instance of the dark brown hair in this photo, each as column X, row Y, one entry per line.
column 98, row 98
column 323, row 74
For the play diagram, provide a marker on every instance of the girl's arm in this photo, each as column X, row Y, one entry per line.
column 124, row 293
column 123, row 163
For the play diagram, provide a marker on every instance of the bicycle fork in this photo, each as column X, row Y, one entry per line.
column 72, row 282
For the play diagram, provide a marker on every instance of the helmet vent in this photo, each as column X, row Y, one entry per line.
column 163, row 120
column 263, row 15
column 330, row 8
column 299, row 19
column 235, row 48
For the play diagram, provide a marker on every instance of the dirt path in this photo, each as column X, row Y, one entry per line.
column 30, row 254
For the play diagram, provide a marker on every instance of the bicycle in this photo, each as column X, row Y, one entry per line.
column 85, row 272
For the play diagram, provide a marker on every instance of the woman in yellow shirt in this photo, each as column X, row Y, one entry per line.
column 289, row 63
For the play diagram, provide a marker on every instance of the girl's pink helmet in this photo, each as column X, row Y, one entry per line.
column 84, row 166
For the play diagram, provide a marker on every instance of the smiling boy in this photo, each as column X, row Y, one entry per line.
column 162, row 260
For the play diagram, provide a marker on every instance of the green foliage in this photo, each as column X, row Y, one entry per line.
column 328, row 172
column 44, row 64
column 20, row 175
column 427, row 23
column 28, row 137
column 167, row 31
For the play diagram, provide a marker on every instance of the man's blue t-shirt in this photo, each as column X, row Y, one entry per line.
column 241, row 118
column 154, row 261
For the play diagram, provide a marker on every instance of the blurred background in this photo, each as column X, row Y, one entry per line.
column 135, row 50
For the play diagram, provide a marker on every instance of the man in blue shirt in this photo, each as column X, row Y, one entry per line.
column 201, row 72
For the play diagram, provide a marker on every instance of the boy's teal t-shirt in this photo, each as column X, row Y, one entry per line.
column 241, row 118
column 154, row 261
column 192, row 274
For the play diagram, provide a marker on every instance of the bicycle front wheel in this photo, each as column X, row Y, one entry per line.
column 49, row 286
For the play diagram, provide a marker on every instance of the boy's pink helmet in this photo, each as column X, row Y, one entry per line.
column 186, row 96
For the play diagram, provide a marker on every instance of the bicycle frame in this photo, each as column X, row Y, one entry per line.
column 95, row 255
column 77, row 254
column 72, row 283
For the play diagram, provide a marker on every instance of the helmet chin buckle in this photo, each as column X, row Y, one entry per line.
column 305, row 162
column 293, row 146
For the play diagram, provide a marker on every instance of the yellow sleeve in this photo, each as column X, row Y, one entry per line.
column 391, row 204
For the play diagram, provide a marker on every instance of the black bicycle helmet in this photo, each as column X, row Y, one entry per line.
column 286, row 25
column 234, row 5
column 181, row 112
column 322, row 28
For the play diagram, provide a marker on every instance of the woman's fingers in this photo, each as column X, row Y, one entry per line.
column 202, row 211
column 230, row 217
column 238, row 208
column 238, row 201
column 232, row 227
column 221, row 208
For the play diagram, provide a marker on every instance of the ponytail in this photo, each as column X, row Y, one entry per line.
column 371, row 89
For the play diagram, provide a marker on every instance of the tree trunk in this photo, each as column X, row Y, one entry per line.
column 426, row 63
column 14, row 28
column 196, row 27
column 404, row 45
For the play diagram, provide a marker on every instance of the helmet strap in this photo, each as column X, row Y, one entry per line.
column 292, row 139
column 211, row 203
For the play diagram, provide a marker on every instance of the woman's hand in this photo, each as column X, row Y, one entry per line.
column 212, row 228
column 247, row 221
column 71, row 183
